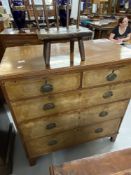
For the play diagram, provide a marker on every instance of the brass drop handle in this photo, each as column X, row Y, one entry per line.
column 52, row 142
column 51, row 126
column 49, row 106
column 46, row 87
column 111, row 76
column 98, row 130
column 108, row 94
column 103, row 113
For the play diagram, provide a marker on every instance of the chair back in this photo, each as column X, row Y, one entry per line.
column 52, row 9
column 44, row 12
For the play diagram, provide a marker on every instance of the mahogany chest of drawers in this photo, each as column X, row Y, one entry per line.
column 67, row 103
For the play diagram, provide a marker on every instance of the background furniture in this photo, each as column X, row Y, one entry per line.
column 108, row 7
column 123, row 6
column 67, row 103
column 114, row 163
column 6, row 20
column 1, row 46
column 103, row 27
column 1, row 25
column 11, row 37
column 104, row 7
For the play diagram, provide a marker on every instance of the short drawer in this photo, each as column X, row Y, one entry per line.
column 106, row 75
column 19, row 89
column 105, row 94
column 40, row 107
column 49, row 125
column 102, row 113
column 55, row 142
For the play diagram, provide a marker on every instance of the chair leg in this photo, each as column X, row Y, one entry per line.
column 71, row 50
column 47, row 50
column 81, row 49
column 44, row 50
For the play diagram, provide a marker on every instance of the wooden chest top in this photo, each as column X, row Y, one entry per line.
column 28, row 60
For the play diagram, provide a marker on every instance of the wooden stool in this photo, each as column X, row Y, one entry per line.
column 60, row 34
column 70, row 35
column 113, row 163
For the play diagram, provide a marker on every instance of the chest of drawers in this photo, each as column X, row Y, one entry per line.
column 67, row 103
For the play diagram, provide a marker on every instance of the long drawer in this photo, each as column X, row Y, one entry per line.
column 19, row 89
column 40, row 107
column 102, row 113
column 62, row 122
column 106, row 76
column 55, row 142
column 106, row 94
column 55, row 104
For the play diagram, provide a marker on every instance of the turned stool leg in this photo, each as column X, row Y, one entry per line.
column 71, row 50
column 47, row 49
column 81, row 49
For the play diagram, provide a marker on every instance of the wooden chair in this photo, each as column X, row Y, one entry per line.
column 60, row 34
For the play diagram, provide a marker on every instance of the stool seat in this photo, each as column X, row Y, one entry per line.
column 64, row 33
column 113, row 163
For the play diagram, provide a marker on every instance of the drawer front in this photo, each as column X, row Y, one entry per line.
column 62, row 122
column 107, row 75
column 40, row 107
column 19, row 89
column 98, row 130
column 52, row 143
column 49, row 125
column 106, row 94
column 102, row 113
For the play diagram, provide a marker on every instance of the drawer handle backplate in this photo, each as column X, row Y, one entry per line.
column 111, row 76
column 103, row 113
column 48, row 106
column 46, row 87
column 98, row 130
column 52, row 142
column 108, row 94
column 51, row 126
